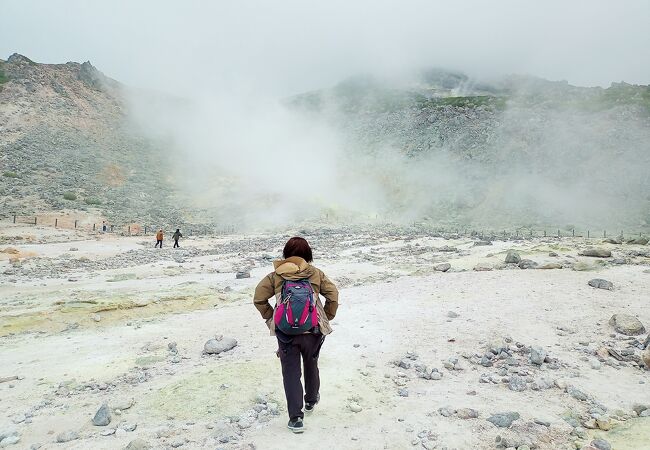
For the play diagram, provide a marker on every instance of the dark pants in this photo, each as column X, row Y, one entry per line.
column 159, row 241
column 292, row 348
column 176, row 243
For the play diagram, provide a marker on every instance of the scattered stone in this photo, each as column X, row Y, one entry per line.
column 446, row 411
column 550, row 266
column 482, row 267
column 452, row 314
column 67, row 436
column 645, row 357
column 552, row 254
column 214, row 346
column 129, row 427
column 537, row 355
column 599, row 283
column 444, row 267
column 7, row 433
column 527, row 264
column 627, row 324
column 467, row 413
column 102, row 416
column 517, row 384
column 503, row 420
column 638, row 241
column 355, row 407
column 596, row 253
column 403, row 392
column 482, row 243
column 138, row 444
column 542, row 422
column 9, row 440
column 601, row 444
column 615, row 241
column 576, row 393
column 604, row 423
column 123, row 405
column 512, row 257
column 595, row 364
column 242, row 274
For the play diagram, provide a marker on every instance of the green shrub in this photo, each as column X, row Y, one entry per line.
column 10, row 174
column 70, row 196
column 3, row 77
column 92, row 201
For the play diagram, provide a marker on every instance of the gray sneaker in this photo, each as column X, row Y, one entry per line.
column 296, row 425
column 309, row 407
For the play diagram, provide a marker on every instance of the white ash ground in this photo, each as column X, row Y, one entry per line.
column 420, row 358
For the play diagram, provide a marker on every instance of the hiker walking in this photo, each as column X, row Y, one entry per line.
column 176, row 236
column 159, row 238
column 299, row 321
column 103, row 226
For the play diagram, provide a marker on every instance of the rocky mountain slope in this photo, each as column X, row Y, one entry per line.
column 520, row 141
column 66, row 144
column 515, row 151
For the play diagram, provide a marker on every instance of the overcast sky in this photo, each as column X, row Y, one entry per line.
column 285, row 47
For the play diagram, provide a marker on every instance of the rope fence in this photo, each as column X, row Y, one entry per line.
column 126, row 229
column 139, row 229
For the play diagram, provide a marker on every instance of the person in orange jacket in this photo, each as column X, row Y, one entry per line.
column 159, row 238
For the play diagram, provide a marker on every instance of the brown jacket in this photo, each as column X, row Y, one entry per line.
column 159, row 235
column 296, row 268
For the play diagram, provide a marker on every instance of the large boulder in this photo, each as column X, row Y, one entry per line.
column 102, row 416
column 639, row 241
column 216, row 346
column 444, row 267
column 512, row 257
column 596, row 252
column 627, row 324
column 527, row 264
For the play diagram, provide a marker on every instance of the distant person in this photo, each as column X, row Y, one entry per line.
column 104, row 226
column 159, row 238
column 299, row 321
column 176, row 236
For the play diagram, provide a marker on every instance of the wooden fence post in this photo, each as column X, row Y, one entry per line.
column 75, row 224
column 56, row 222
column 35, row 220
column 14, row 218
column 129, row 230
column 93, row 227
column 588, row 234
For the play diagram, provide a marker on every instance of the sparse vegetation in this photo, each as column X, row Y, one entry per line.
column 70, row 196
column 3, row 77
column 92, row 201
column 10, row 174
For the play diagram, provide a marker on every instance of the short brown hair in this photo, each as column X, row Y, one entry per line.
column 297, row 246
